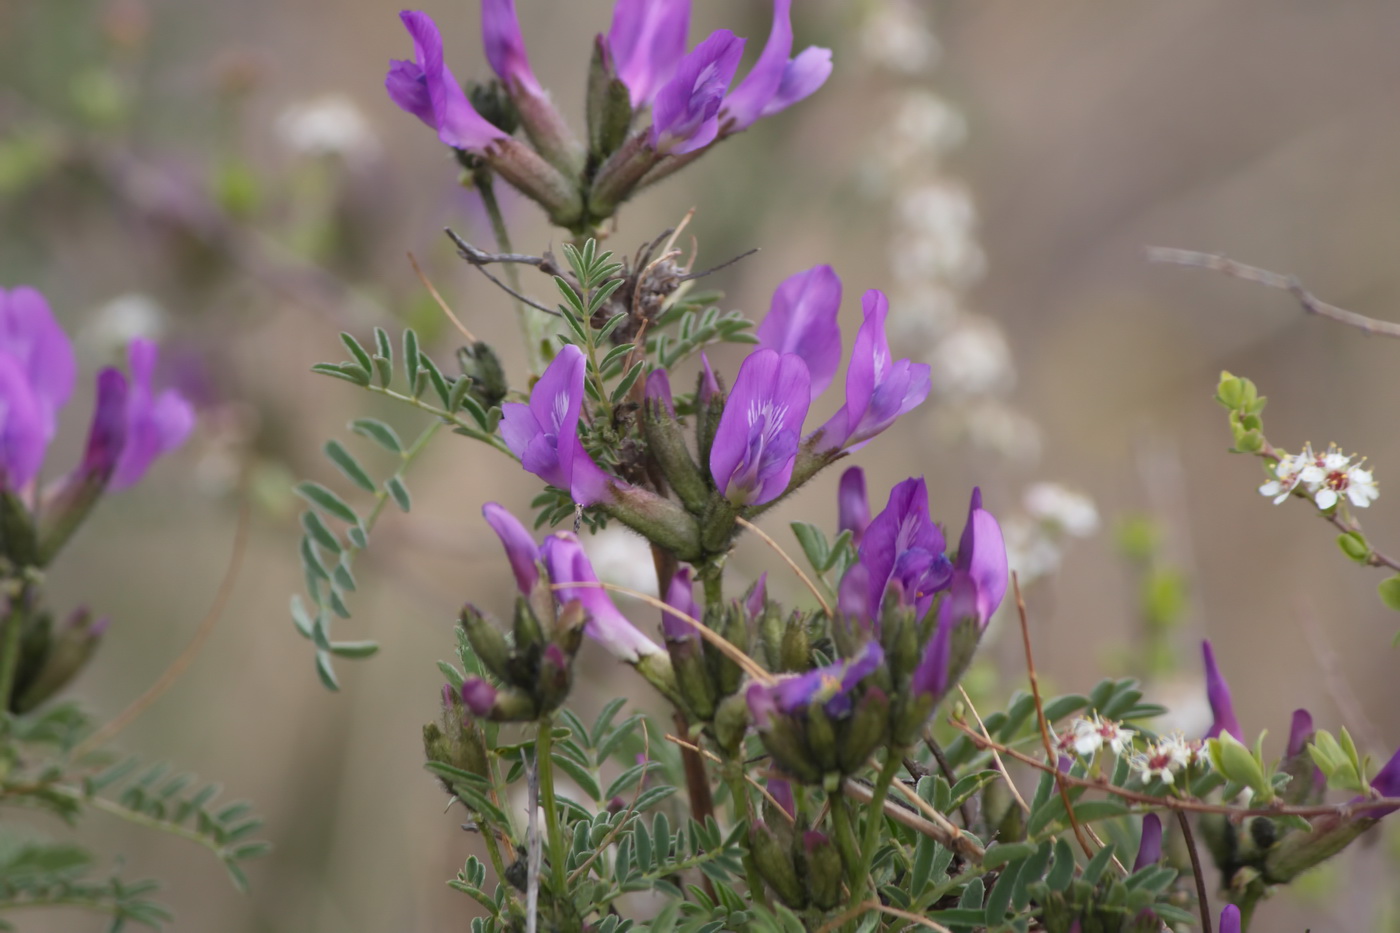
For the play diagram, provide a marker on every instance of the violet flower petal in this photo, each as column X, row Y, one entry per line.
column 757, row 437
column 647, row 39
column 24, row 438
column 1387, row 784
column 982, row 553
column 680, row 595
column 685, row 115
column 1218, row 692
column 852, row 504
column 802, row 320
column 478, row 696
column 519, row 544
column 155, row 424
column 505, row 47
column 757, row 599
column 1300, row 732
column 566, row 563
column 775, row 82
column 1150, row 848
column 428, row 79
column 658, row 390
column 802, row 77
column 904, row 526
column 33, row 339
column 1230, row 919
column 878, row 389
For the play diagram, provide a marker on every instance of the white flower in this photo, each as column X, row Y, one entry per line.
column 1166, row 758
column 1067, row 510
column 328, row 125
column 1361, row 487
column 1289, row 472
column 1093, row 734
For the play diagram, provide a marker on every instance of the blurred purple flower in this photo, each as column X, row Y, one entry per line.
column 426, row 88
column 802, row 320
column 776, row 82
column 24, row 437
column 37, row 373
column 1300, row 732
column 658, row 390
column 478, row 696
column 757, row 437
column 1150, row 848
column 1218, row 692
column 1387, row 784
column 757, row 599
column 155, row 423
column 566, row 563
column 982, row 555
column 646, row 40
column 680, row 596
column 1230, row 919
column 519, row 544
column 852, row 504
column 544, row 433
column 685, row 115
column 878, row 390
column 781, row 791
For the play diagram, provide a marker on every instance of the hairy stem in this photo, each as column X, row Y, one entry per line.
column 875, row 819
column 558, row 850
column 531, row 324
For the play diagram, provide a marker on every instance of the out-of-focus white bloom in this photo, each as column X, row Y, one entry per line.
column 328, row 125
column 896, row 36
column 926, row 124
column 1072, row 512
column 920, row 316
column 991, row 424
column 124, row 318
column 1325, row 477
column 972, row 359
column 623, row 558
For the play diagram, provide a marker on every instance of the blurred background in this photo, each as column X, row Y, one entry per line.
column 232, row 179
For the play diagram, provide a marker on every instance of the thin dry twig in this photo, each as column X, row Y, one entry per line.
column 456, row 322
column 480, row 259
column 1311, row 303
column 750, row 666
column 951, row 837
column 1050, row 755
column 1196, row 870
column 821, row 600
column 186, row 657
column 996, row 756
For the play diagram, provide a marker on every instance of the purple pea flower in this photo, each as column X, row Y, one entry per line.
column 685, row 114
column 37, row 373
column 505, row 47
column 709, row 385
column 544, row 433
column 781, row 791
column 903, row 546
column 1218, row 692
column 852, row 504
column 878, row 390
column 776, row 82
column 520, row 547
column 831, row 686
column 566, row 563
column 680, row 596
column 1387, row 784
column 802, row 320
column 646, row 40
column 756, row 441
column 426, row 88
column 1150, row 848
column 478, row 696
column 982, row 556
column 155, row 423
column 1300, row 732
column 757, row 598
column 24, row 435
column 1230, row 919
column 658, row 391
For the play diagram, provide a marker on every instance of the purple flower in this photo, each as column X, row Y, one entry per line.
column 1218, row 692
column 155, row 424
column 685, row 115
column 757, row 437
column 903, row 546
column 982, row 555
column 680, row 596
column 505, row 47
column 709, row 385
column 37, row 373
column 24, row 435
column 478, row 696
column 781, row 791
column 931, row 676
column 566, row 563
column 1230, row 919
column 426, row 88
column 658, row 390
column 1150, row 848
column 1387, row 784
column 878, row 390
column 544, row 433
column 831, row 686
column 1300, row 732
column 646, row 41
column 520, row 547
column 757, row 598
column 852, row 504
column 802, row 320
column 776, row 82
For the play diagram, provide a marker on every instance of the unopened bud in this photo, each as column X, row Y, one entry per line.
column 55, row 661
column 609, row 107
column 489, row 382
column 822, row 869
column 486, row 642
column 775, row 865
column 866, row 730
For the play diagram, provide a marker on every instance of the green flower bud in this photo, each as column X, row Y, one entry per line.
column 866, row 730
column 1232, row 759
column 489, row 383
column 608, row 107
column 822, row 869
column 730, row 724
column 795, row 652
column 666, row 444
column 776, row 866
column 486, row 641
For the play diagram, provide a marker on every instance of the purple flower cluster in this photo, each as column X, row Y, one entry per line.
column 670, row 105
column 132, row 425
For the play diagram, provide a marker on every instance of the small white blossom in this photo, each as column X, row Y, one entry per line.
column 1066, row 509
column 1166, row 758
column 1325, row 477
column 329, row 125
column 1095, row 733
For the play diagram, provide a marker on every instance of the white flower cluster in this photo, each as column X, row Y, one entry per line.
column 1086, row 737
column 1168, row 757
column 1036, row 540
column 1324, row 477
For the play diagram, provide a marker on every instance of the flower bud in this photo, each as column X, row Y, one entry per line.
column 17, row 539
column 489, row 382
column 822, row 868
column 776, row 866
column 865, row 731
column 609, row 107
column 666, row 443
column 486, row 641
column 731, row 722
column 709, row 406
column 62, row 658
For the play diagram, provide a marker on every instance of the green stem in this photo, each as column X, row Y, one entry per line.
column 875, row 818
column 712, row 577
column 739, row 792
column 544, row 770
column 531, row 323
column 10, row 631
column 846, row 841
